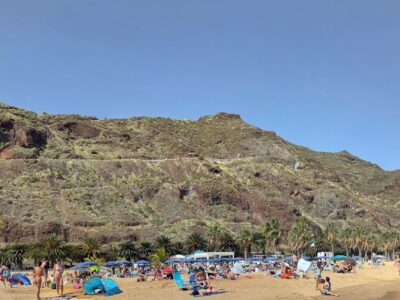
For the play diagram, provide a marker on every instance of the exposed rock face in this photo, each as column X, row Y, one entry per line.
column 30, row 138
column 135, row 178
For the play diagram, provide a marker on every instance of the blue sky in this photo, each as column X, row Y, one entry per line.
column 323, row 74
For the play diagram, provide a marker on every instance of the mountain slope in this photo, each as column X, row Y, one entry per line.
column 137, row 177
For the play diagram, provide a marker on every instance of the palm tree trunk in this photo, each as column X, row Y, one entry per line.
column 333, row 248
column 359, row 252
column 245, row 252
column 347, row 251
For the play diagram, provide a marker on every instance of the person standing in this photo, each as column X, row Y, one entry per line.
column 45, row 267
column 5, row 275
column 37, row 279
column 58, row 277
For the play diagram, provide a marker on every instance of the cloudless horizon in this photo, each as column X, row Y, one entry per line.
column 321, row 74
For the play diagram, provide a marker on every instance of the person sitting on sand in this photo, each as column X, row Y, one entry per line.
column 324, row 287
column 230, row 275
column 141, row 277
column 37, row 279
column 201, row 277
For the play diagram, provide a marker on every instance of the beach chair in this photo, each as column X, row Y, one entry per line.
column 179, row 281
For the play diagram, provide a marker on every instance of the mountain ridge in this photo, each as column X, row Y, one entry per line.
column 135, row 177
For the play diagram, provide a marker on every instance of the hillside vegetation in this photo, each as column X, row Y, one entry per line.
column 135, row 178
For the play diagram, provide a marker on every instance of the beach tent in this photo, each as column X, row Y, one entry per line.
column 22, row 278
column 93, row 284
column 304, row 265
column 111, row 287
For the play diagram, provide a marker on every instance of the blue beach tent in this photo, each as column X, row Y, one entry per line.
column 93, row 284
column 111, row 287
column 22, row 278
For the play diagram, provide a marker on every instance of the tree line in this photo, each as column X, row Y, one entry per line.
column 270, row 238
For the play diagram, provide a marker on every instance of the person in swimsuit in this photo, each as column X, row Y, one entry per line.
column 5, row 275
column 58, row 274
column 45, row 267
column 37, row 279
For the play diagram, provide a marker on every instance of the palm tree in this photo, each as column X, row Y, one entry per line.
column 164, row 242
column 74, row 253
column 91, row 247
column 346, row 239
column 213, row 236
column 273, row 233
column 369, row 245
column 227, row 242
column 195, row 241
column 15, row 254
column 388, row 243
column 331, row 235
column 158, row 257
column 145, row 249
column 54, row 248
column 177, row 247
column 244, row 239
column 359, row 236
column 128, row 250
column 300, row 235
column 258, row 241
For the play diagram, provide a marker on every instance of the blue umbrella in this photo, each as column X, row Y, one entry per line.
column 237, row 258
column 171, row 261
column 110, row 263
column 254, row 259
column 84, row 265
column 201, row 260
column 188, row 260
column 142, row 262
column 380, row 257
column 288, row 258
column 306, row 257
column 271, row 258
column 336, row 257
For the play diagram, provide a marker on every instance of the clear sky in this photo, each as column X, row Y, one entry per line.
column 323, row 73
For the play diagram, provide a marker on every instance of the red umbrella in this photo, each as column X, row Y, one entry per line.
column 167, row 270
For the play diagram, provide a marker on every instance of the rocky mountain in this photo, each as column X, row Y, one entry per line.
column 134, row 178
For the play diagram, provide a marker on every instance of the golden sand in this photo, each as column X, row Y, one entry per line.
column 367, row 283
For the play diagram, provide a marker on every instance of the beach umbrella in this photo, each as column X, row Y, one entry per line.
column 122, row 262
column 339, row 257
column 306, row 257
column 171, row 261
column 84, row 265
column 200, row 260
column 271, row 258
column 188, row 260
column 142, row 262
column 179, row 256
column 238, row 259
column 110, row 263
column 288, row 258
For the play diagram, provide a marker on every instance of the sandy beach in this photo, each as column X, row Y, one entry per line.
column 368, row 283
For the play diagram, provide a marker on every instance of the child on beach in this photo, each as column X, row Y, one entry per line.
column 324, row 288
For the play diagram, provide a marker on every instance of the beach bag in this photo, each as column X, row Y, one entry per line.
column 53, row 286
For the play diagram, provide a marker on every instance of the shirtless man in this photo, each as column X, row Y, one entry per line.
column 37, row 279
